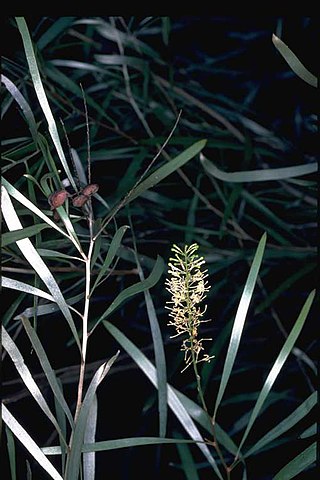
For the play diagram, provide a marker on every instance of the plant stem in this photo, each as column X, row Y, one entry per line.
column 85, row 323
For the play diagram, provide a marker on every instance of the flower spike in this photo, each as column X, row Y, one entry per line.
column 188, row 287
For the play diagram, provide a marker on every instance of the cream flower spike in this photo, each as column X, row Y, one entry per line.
column 188, row 287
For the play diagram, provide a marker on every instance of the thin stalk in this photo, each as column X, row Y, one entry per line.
column 85, row 315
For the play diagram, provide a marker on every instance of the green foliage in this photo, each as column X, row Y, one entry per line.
column 182, row 153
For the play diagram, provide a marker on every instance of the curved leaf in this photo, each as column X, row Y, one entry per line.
column 106, row 445
column 294, row 62
column 134, row 289
column 23, row 104
column 166, row 169
column 292, row 419
column 240, row 319
column 269, row 174
column 32, row 256
column 21, row 434
column 112, row 251
column 45, row 364
column 298, row 464
column 24, row 372
column 174, row 403
column 73, row 462
column 11, row 237
column 40, row 92
column 278, row 364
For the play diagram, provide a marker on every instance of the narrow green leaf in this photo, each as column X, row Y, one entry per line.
column 59, row 25
column 25, row 287
column 33, row 208
column 160, row 362
column 294, row 62
column 24, row 372
column 40, row 92
column 128, row 292
column 130, row 61
column 173, row 401
column 200, row 416
column 73, row 462
column 32, row 256
column 11, row 237
column 278, row 364
column 11, row 453
column 167, row 169
column 61, row 419
column 89, row 437
column 240, row 319
column 9, row 313
column 45, row 252
column 166, row 27
column 187, row 462
column 21, row 434
column 310, row 431
column 106, row 445
column 298, row 464
column 23, row 104
column 45, row 364
column 112, row 251
column 287, row 423
column 266, row 175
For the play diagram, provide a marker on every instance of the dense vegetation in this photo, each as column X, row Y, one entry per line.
column 196, row 131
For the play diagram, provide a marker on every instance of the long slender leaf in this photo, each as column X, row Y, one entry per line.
column 11, row 453
column 173, row 401
column 298, row 464
column 24, row 372
column 128, row 292
column 73, row 462
column 166, row 169
column 265, row 175
column 278, row 364
column 106, row 445
column 187, row 462
column 32, row 256
column 40, row 92
column 11, row 237
column 239, row 320
column 45, row 364
column 89, row 437
column 24, row 287
column 112, row 251
column 160, row 363
column 23, row 104
column 294, row 62
column 287, row 423
column 21, row 434
column 22, row 199
column 61, row 24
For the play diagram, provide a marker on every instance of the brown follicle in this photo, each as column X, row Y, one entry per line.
column 90, row 189
column 58, row 198
column 79, row 200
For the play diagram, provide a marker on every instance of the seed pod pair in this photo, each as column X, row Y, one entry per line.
column 85, row 194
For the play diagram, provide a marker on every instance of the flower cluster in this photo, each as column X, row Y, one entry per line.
column 188, row 287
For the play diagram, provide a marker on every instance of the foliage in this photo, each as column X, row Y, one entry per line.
column 178, row 148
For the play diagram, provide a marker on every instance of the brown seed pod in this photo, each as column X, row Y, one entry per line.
column 58, row 198
column 90, row 189
column 79, row 200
